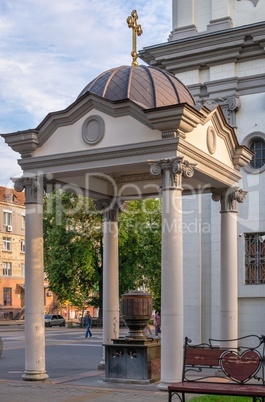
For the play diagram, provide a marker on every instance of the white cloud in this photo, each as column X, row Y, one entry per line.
column 49, row 51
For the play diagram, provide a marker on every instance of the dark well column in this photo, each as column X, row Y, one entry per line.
column 172, row 338
column 229, row 269
column 110, row 273
column 34, row 276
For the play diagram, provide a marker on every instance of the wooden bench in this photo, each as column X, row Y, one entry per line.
column 213, row 368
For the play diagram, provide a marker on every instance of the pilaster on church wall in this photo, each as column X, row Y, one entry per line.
column 241, row 12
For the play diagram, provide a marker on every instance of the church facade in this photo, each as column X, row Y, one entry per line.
column 216, row 48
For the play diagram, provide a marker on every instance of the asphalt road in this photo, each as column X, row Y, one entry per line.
column 68, row 352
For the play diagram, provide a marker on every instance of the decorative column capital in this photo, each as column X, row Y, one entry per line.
column 110, row 208
column 229, row 198
column 33, row 189
column 172, row 170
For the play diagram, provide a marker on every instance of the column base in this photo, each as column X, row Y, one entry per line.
column 164, row 385
column 35, row 375
column 101, row 365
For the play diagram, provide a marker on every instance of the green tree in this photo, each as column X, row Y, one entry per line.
column 140, row 248
column 73, row 249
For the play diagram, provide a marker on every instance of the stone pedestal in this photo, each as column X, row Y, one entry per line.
column 135, row 357
column 133, row 360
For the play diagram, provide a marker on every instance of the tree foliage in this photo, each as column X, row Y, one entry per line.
column 140, row 248
column 72, row 248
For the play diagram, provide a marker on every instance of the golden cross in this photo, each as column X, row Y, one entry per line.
column 136, row 31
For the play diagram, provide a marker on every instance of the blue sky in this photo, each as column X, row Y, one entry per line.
column 50, row 50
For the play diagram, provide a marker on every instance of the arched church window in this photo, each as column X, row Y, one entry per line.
column 258, row 147
column 256, row 142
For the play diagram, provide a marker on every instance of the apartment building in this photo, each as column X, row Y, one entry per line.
column 12, row 255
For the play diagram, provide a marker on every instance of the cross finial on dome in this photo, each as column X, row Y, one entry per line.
column 136, row 31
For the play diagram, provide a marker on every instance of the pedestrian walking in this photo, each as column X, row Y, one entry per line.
column 88, row 323
column 157, row 323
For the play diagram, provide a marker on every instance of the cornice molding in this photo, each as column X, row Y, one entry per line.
column 208, row 48
column 94, row 155
column 25, row 142
column 180, row 118
column 210, row 162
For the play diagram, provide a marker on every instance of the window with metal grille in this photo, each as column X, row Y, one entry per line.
column 254, row 258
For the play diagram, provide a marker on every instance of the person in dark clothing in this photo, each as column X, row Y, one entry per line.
column 88, row 323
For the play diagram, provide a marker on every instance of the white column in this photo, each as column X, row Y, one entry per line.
column 182, row 13
column 172, row 337
column 221, row 16
column 183, row 19
column 34, row 277
column 229, row 266
column 220, row 9
column 111, row 313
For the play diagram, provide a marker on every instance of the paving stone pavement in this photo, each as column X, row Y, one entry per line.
column 24, row 391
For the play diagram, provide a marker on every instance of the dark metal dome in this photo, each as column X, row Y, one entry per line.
column 148, row 86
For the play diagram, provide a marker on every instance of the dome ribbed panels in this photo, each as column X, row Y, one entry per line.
column 150, row 87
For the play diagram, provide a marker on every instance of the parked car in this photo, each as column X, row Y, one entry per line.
column 52, row 320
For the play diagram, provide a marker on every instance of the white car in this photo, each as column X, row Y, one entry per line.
column 51, row 320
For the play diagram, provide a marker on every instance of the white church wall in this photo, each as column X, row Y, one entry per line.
column 192, row 267
column 201, row 268
column 251, row 316
column 251, row 67
column 222, row 71
column 250, row 116
column 245, row 12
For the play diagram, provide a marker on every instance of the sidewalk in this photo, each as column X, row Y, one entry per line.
column 91, row 388
column 84, row 386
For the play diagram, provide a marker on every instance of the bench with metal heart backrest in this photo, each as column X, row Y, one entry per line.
column 223, row 367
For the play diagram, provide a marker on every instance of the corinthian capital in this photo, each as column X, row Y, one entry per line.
column 109, row 207
column 172, row 170
column 33, row 189
column 229, row 198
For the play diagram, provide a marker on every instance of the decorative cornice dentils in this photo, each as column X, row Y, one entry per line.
column 91, row 156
